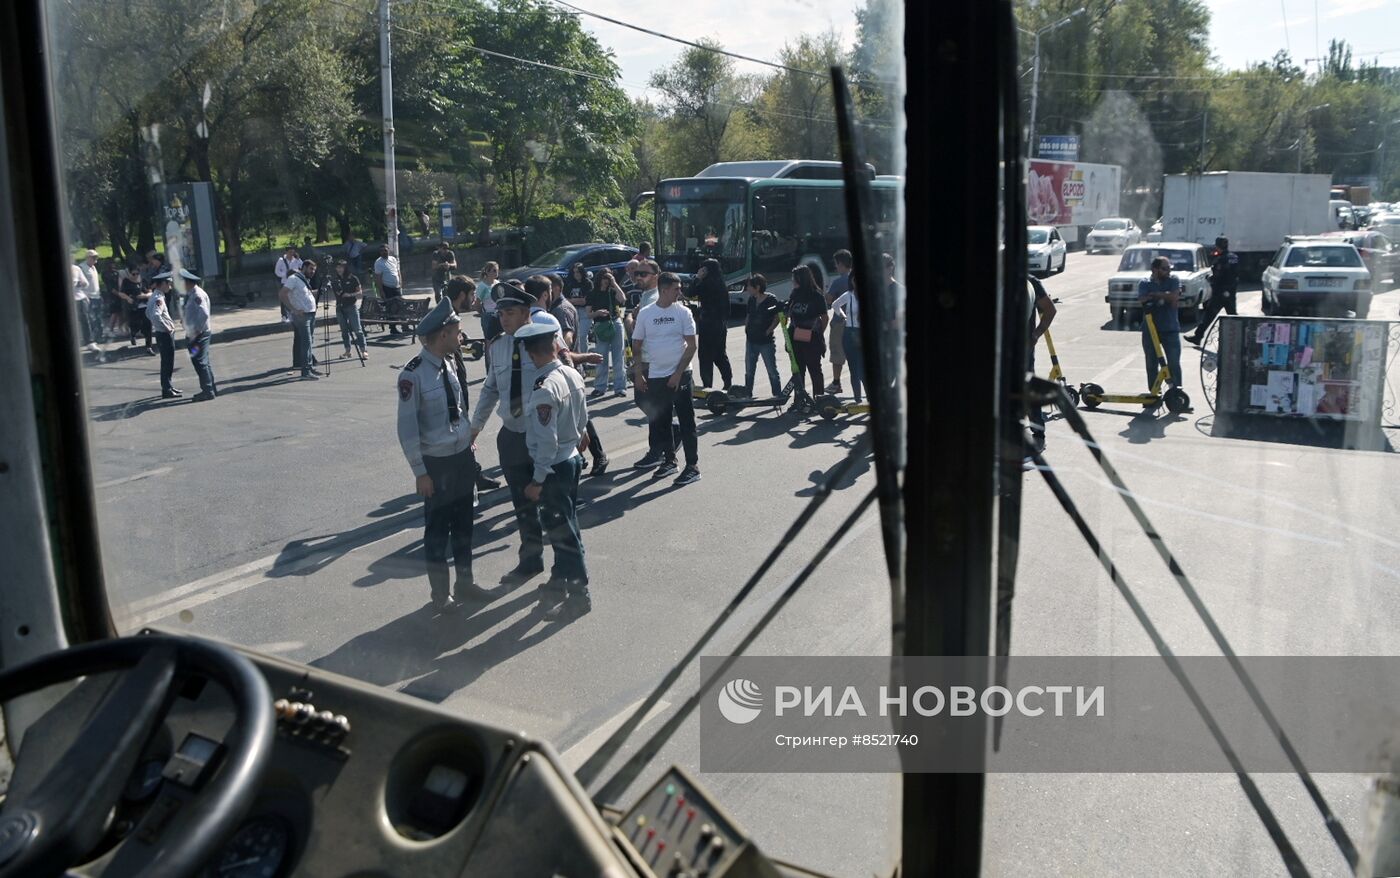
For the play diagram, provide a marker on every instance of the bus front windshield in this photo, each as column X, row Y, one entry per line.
column 699, row 220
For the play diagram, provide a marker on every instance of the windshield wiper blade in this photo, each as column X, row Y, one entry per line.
column 619, row 782
column 589, row 771
column 1051, row 391
column 881, row 339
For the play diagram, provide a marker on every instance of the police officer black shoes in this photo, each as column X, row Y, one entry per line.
column 523, row 572
column 204, row 396
column 170, row 394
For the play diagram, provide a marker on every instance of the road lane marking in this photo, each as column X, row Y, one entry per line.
column 172, row 600
column 574, row 757
column 149, row 474
column 1106, row 375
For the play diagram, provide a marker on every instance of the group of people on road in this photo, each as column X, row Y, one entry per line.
column 145, row 300
column 541, row 333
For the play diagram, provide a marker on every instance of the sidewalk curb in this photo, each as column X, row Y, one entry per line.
column 237, row 333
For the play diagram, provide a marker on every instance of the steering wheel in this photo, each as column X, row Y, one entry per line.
column 47, row 828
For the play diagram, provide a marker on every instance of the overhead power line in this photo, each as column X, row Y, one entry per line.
column 684, row 42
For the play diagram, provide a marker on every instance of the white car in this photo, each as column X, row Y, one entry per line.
column 1154, row 234
column 1045, row 250
column 1190, row 265
column 1317, row 275
column 1387, row 224
column 1114, row 233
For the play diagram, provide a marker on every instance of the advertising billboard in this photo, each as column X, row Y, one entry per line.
column 1071, row 193
column 185, row 214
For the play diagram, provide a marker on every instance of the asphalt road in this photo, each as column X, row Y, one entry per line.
column 281, row 516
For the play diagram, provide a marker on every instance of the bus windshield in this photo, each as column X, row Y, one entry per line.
column 698, row 220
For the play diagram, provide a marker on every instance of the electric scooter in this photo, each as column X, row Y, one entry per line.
column 717, row 402
column 1057, row 374
column 1091, row 395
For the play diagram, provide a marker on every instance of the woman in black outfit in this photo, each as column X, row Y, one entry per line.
column 710, row 328
column 807, row 316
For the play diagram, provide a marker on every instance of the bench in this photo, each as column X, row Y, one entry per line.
column 393, row 312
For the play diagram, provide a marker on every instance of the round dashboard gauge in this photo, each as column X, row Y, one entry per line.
column 258, row 850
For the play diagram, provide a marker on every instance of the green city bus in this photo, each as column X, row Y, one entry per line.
column 764, row 217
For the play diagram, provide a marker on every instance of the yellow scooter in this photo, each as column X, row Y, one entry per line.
column 1091, row 395
column 1058, row 374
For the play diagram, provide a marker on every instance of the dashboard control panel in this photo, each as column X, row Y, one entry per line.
column 678, row 831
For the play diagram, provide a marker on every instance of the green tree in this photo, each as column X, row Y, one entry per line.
column 794, row 110
column 702, row 97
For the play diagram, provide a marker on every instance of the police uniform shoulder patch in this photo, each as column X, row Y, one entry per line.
column 405, row 388
column 544, row 412
column 413, row 364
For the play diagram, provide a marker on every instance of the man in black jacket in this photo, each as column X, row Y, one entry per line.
column 1224, row 284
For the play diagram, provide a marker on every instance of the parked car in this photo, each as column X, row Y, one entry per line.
column 1381, row 255
column 1114, row 233
column 561, row 260
column 1387, row 224
column 1317, row 274
column 1045, row 250
column 1190, row 265
column 1154, row 234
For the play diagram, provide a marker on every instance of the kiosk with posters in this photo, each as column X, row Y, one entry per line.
column 1321, row 379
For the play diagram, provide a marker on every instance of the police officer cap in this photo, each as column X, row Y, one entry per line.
column 507, row 295
column 164, row 275
column 533, row 330
column 436, row 319
column 188, row 275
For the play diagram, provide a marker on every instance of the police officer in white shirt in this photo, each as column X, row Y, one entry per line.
column 556, row 431
column 437, row 442
column 163, row 327
column 510, row 376
column 663, row 344
column 199, row 331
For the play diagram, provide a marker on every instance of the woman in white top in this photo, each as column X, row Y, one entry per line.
column 848, row 307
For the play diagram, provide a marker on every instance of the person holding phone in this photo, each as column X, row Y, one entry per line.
column 807, row 314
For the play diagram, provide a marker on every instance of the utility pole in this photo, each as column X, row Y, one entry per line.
column 386, row 84
column 1035, row 75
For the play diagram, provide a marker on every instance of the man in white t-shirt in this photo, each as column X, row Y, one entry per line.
column 390, row 283
column 663, row 344
column 287, row 263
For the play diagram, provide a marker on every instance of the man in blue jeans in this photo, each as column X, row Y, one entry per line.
column 1158, row 296
column 301, row 302
column 760, row 322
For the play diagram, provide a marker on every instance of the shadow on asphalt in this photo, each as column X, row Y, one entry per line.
column 423, row 644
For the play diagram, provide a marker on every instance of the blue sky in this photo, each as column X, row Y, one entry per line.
column 1242, row 31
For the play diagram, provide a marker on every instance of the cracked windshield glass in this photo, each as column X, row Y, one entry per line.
column 482, row 351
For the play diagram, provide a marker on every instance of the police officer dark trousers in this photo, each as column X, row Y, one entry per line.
column 509, row 376
column 437, row 443
column 557, row 418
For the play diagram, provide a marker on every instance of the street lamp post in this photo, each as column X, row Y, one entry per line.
column 1035, row 68
column 386, row 85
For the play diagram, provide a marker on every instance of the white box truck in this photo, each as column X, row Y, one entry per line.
column 1071, row 195
column 1254, row 210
